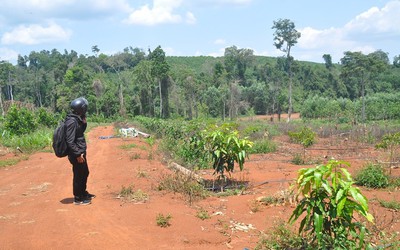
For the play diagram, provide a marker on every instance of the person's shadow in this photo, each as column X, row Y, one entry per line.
column 67, row 201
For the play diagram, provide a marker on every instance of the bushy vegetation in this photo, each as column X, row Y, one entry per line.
column 328, row 206
column 372, row 176
column 19, row 121
column 281, row 237
column 305, row 136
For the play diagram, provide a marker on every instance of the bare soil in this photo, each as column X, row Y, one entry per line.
column 37, row 210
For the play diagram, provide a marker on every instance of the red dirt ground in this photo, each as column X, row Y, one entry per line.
column 36, row 209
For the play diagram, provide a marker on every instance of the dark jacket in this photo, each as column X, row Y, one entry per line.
column 75, row 135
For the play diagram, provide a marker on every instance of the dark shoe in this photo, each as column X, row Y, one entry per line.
column 82, row 202
column 90, row 196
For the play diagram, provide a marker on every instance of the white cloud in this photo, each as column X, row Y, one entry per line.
column 170, row 51
column 220, row 2
column 8, row 55
column 357, row 35
column 219, row 53
column 36, row 34
column 34, row 5
column 190, row 18
column 161, row 12
column 377, row 20
column 233, row 1
column 38, row 10
column 220, row 41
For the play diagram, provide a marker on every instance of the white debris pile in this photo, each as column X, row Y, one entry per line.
column 239, row 226
column 131, row 132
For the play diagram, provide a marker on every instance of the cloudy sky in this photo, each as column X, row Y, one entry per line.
column 198, row 27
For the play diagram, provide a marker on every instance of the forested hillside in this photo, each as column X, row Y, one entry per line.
column 150, row 83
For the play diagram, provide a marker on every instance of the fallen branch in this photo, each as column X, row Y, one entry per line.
column 185, row 171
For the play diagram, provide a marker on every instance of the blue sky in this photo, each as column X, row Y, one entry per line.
column 198, row 27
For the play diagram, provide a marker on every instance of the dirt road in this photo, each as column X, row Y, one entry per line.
column 37, row 210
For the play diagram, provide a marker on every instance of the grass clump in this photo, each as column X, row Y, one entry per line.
column 281, row 237
column 130, row 195
column 263, row 147
column 372, row 176
column 163, row 220
column 189, row 188
column 9, row 162
column 203, row 214
column 128, row 146
column 395, row 205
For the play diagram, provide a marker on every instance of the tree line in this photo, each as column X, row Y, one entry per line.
column 149, row 83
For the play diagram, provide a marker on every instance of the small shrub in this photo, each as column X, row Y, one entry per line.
column 395, row 205
column 202, row 214
column 135, row 156
column 226, row 147
column 298, row 159
column 269, row 200
column 328, row 207
column 372, row 176
column 19, row 121
column 263, row 147
column 305, row 137
column 128, row 194
column 281, row 237
column 46, row 118
column 163, row 221
column 255, row 206
column 394, row 182
column 141, row 174
column 185, row 185
column 150, row 141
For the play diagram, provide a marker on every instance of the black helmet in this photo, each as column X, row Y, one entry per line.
column 79, row 106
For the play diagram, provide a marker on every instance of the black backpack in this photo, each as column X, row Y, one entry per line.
column 59, row 141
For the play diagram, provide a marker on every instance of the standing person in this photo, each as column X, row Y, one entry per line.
column 75, row 125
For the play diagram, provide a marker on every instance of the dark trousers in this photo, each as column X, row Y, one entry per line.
column 81, row 173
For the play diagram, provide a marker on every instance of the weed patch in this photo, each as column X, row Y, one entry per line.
column 203, row 214
column 372, row 176
column 190, row 189
column 163, row 220
column 129, row 195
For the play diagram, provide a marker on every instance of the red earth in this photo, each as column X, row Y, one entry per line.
column 37, row 210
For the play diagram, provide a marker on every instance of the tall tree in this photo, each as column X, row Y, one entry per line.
column 361, row 68
column 328, row 61
column 160, row 70
column 285, row 37
column 144, row 80
column 7, row 76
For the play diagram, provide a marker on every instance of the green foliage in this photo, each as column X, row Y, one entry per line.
column 202, row 214
column 19, row 121
column 185, row 185
column 329, row 203
column 263, row 147
column 298, row 159
column 305, row 137
column 9, row 162
column 226, row 148
column 163, row 220
column 281, row 237
column 390, row 142
column 130, row 195
column 395, row 205
column 46, row 118
column 38, row 140
column 372, row 176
